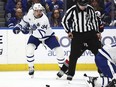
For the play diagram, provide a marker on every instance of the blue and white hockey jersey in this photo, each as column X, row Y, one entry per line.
column 40, row 26
column 109, row 52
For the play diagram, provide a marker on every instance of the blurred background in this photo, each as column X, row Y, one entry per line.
column 11, row 11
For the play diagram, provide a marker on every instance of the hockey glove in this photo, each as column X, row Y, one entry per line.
column 16, row 30
column 25, row 30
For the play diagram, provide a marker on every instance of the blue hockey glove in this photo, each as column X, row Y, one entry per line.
column 25, row 30
column 16, row 30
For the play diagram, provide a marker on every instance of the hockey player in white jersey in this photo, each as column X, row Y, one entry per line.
column 37, row 22
column 106, row 62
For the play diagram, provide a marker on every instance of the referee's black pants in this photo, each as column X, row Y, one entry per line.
column 80, row 43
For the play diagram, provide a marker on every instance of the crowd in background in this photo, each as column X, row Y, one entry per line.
column 55, row 9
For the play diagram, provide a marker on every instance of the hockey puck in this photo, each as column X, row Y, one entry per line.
column 47, row 85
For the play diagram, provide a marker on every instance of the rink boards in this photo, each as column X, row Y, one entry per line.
column 13, row 49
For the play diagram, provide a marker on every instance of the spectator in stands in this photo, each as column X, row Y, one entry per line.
column 108, row 6
column 14, row 20
column 54, row 4
column 107, row 18
column 113, row 22
column 18, row 5
column 31, row 2
column 55, row 20
column 96, row 5
column 109, row 13
column 11, row 5
column 101, row 5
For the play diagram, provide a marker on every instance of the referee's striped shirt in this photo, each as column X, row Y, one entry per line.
column 80, row 21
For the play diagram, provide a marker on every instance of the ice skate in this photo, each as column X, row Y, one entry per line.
column 69, row 77
column 31, row 71
column 90, row 80
column 60, row 74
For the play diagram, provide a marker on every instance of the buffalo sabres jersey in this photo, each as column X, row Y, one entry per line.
column 109, row 52
column 40, row 26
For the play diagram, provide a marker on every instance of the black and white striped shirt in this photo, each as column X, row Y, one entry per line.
column 80, row 21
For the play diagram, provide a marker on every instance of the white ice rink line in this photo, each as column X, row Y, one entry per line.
column 41, row 79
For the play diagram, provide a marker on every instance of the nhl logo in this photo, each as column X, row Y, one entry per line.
column 87, row 16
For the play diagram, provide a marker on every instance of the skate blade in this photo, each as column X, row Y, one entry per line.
column 32, row 76
column 57, row 77
column 69, row 81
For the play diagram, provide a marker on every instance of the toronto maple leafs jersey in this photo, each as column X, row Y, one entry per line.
column 109, row 52
column 40, row 26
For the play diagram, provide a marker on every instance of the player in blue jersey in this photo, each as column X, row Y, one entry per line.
column 106, row 62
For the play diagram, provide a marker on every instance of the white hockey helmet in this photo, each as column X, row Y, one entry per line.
column 37, row 6
column 98, row 13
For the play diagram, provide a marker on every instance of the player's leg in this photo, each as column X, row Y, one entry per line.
column 31, row 46
column 71, row 64
column 63, row 69
column 101, row 81
column 30, row 57
column 107, row 68
column 53, row 44
column 92, row 81
column 97, row 81
column 76, row 52
column 93, row 45
column 60, row 55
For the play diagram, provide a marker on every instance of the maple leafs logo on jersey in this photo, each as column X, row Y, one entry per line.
column 34, row 27
column 38, row 24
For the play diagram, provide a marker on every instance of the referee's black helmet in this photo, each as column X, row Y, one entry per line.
column 83, row 2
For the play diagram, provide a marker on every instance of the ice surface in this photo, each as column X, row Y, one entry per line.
column 41, row 79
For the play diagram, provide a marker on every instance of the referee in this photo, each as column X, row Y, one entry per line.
column 81, row 24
